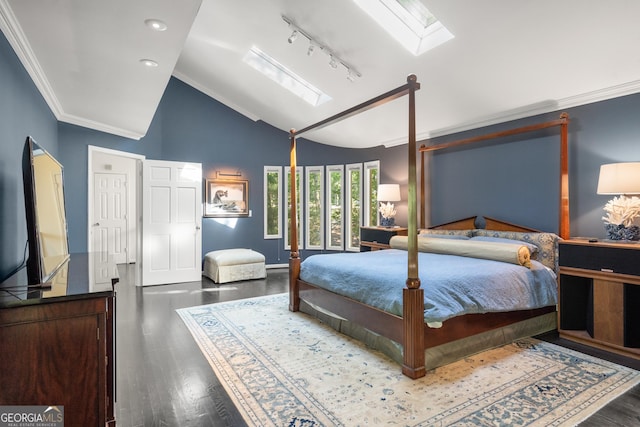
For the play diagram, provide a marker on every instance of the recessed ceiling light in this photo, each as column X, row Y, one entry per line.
column 155, row 24
column 149, row 63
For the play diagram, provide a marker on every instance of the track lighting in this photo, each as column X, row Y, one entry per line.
column 293, row 36
column 314, row 44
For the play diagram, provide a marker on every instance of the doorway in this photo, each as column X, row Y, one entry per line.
column 113, row 208
column 169, row 205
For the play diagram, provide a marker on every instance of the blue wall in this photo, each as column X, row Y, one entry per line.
column 517, row 179
column 515, row 182
column 22, row 112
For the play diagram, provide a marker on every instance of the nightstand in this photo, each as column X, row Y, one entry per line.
column 375, row 238
column 599, row 295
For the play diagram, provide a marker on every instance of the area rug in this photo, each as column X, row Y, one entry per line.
column 287, row 369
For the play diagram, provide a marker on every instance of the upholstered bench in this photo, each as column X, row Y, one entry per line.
column 230, row 265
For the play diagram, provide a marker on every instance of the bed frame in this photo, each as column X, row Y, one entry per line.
column 410, row 329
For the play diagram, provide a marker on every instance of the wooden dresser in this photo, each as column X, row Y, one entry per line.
column 57, row 344
column 599, row 292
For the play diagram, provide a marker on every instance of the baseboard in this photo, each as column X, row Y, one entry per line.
column 270, row 266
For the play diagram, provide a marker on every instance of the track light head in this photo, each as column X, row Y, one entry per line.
column 293, row 36
column 315, row 44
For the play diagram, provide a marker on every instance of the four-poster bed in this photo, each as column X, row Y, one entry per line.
column 408, row 327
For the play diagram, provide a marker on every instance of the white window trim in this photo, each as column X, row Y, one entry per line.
column 309, row 170
column 331, row 169
column 269, row 170
column 347, row 206
column 367, row 214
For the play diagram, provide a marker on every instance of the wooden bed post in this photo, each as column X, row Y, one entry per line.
column 565, row 231
column 294, row 257
column 413, row 322
column 413, row 296
column 423, row 202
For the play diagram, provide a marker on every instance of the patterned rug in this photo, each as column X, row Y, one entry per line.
column 287, row 369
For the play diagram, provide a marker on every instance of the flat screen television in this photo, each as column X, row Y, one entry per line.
column 45, row 213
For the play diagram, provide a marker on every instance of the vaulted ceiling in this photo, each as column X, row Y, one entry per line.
column 508, row 59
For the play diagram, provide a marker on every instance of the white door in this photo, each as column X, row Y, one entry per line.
column 171, row 222
column 109, row 230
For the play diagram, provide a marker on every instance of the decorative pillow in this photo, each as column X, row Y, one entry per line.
column 505, row 252
column 533, row 249
column 464, row 233
column 444, row 236
column 547, row 244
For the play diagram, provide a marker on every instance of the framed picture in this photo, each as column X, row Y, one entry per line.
column 226, row 198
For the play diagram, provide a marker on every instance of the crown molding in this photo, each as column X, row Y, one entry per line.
column 18, row 41
column 624, row 89
column 99, row 126
column 543, row 107
column 13, row 32
column 420, row 136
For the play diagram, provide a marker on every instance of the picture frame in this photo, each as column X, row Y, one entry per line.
column 226, row 198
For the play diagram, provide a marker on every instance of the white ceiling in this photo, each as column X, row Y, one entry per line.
column 509, row 59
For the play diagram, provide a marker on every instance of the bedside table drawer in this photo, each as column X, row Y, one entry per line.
column 375, row 238
column 379, row 235
column 600, row 258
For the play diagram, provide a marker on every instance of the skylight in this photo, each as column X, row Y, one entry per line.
column 409, row 22
column 285, row 77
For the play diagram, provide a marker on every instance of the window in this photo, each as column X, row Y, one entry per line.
column 331, row 204
column 315, row 206
column 409, row 22
column 272, row 202
column 286, row 78
column 299, row 182
column 354, row 206
column 335, row 213
column 371, row 181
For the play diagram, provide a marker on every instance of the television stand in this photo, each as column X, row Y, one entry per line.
column 57, row 343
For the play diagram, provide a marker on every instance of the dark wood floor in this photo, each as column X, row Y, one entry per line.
column 164, row 380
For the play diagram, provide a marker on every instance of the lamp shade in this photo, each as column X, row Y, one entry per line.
column 389, row 192
column 619, row 178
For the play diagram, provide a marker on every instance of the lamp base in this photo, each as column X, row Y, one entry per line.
column 387, row 222
column 620, row 232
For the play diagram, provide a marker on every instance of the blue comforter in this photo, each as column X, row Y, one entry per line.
column 453, row 285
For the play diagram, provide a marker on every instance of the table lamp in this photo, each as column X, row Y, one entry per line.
column 388, row 193
column 622, row 179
